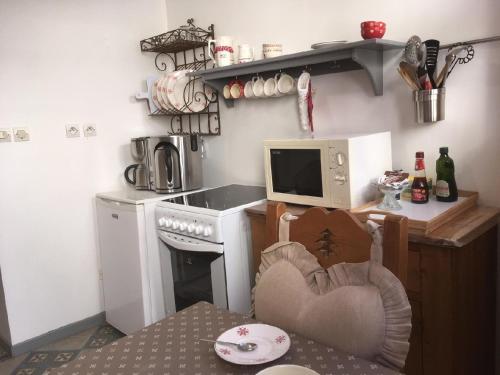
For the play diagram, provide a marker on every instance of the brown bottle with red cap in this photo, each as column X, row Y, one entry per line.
column 419, row 188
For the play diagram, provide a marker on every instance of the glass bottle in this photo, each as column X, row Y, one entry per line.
column 446, row 186
column 419, row 188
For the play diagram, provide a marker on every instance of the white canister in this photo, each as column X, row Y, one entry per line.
column 223, row 52
column 245, row 53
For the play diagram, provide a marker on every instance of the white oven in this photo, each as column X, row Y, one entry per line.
column 205, row 247
column 335, row 172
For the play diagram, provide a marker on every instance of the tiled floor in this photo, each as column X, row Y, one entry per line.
column 58, row 353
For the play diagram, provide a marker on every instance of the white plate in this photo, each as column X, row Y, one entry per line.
column 272, row 343
column 328, row 44
column 162, row 87
column 176, row 84
column 159, row 90
column 287, row 370
column 154, row 93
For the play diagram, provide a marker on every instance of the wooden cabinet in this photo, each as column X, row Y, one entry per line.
column 451, row 286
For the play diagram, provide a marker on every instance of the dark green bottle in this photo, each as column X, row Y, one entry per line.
column 446, row 186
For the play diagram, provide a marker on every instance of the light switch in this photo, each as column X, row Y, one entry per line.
column 89, row 130
column 5, row 135
column 72, row 130
column 21, row 134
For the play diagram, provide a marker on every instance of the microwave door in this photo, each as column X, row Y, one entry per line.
column 297, row 172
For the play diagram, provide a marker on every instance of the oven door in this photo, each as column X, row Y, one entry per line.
column 192, row 271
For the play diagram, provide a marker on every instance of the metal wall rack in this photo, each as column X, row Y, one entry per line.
column 181, row 49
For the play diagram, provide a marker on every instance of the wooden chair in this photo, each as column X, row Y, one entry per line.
column 340, row 236
column 342, row 300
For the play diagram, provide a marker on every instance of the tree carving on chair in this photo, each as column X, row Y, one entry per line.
column 326, row 244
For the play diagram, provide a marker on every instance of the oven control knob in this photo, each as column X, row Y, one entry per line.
column 190, row 228
column 168, row 223
column 175, row 224
column 198, row 229
column 207, row 232
column 183, row 226
column 161, row 221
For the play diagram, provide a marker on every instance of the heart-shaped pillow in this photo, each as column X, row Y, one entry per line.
column 359, row 308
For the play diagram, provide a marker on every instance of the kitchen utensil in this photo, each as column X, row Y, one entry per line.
column 243, row 346
column 412, row 53
column 372, row 29
column 223, row 52
column 432, row 47
column 410, row 82
column 162, row 91
column 226, row 92
column 287, row 370
column 409, row 73
column 328, row 44
column 443, row 75
column 462, row 60
column 272, row 343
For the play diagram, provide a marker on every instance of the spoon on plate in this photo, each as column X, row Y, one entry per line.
column 243, row 346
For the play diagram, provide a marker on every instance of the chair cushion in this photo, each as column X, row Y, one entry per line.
column 358, row 308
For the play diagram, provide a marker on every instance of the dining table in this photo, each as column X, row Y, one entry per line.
column 171, row 347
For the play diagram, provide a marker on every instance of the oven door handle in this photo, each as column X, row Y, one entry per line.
column 190, row 246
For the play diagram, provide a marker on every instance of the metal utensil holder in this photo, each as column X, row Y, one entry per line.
column 429, row 105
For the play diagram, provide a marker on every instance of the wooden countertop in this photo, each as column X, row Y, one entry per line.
column 457, row 233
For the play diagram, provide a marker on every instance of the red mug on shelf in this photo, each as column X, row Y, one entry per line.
column 372, row 29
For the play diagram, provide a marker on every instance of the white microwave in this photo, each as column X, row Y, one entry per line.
column 337, row 172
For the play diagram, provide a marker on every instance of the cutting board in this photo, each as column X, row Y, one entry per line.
column 425, row 218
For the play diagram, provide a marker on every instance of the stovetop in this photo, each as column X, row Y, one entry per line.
column 221, row 198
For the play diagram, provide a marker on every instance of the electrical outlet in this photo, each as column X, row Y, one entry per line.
column 5, row 135
column 89, row 130
column 72, row 131
column 100, row 275
column 21, row 134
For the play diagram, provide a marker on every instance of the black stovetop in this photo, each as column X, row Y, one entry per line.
column 222, row 198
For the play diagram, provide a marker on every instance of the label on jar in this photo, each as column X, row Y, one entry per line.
column 442, row 189
column 419, row 195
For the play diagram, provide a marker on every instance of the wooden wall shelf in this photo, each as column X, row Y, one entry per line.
column 364, row 54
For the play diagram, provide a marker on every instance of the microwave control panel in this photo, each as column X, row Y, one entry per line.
column 339, row 169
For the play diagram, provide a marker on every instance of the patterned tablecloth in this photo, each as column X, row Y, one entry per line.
column 170, row 347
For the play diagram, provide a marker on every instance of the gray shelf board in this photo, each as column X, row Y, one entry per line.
column 364, row 54
column 306, row 58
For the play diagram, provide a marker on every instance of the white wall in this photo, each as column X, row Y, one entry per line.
column 345, row 102
column 65, row 62
column 4, row 321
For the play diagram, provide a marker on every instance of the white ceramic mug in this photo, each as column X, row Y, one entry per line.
column 223, row 50
column 286, row 84
column 258, row 87
column 248, row 90
column 272, row 50
column 271, row 87
column 245, row 53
